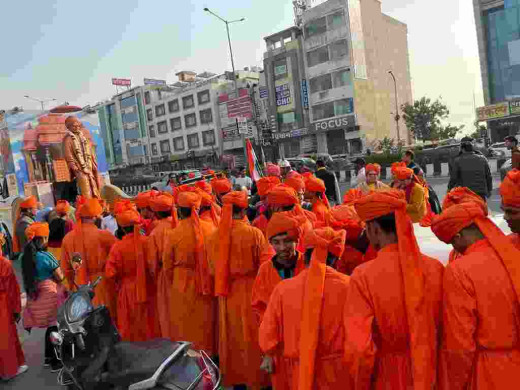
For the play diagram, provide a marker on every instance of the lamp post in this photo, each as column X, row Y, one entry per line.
column 41, row 101
column 396, row 117
column 227, row 23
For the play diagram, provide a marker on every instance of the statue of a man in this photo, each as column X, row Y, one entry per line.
column 81, row 158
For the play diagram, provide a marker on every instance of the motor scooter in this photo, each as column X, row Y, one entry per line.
column 94, row 357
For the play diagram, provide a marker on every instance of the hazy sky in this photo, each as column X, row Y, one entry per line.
column 70, row 50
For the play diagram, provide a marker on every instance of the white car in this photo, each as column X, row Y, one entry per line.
column 499, row 150
column 430, row 245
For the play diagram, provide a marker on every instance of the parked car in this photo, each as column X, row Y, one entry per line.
column 318, row 156
column 499, row 150
column 162, row 185
column 296, row 162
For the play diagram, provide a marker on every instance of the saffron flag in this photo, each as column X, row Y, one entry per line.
column 252, row 162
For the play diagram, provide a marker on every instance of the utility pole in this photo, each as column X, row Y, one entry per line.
column 227, row 23
column 396, row 117
column 41, row 101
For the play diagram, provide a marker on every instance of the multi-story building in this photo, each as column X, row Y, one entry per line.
column 498, row 35
column 123, row 127
column 340, row 56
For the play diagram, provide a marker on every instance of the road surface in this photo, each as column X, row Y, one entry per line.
column 41, row 378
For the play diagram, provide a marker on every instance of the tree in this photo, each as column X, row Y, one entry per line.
column 479, row 130
column 424, row 119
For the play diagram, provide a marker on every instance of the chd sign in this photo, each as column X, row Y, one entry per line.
column 336, row 123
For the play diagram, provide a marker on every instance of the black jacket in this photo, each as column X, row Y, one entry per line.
column 330, row 183
column 471, row 170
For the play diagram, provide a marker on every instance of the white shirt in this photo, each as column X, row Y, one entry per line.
column 244, row 182
column 109, row 223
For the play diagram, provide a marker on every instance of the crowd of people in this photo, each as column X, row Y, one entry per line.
column 289, row 287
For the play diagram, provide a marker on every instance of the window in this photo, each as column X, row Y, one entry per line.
column 322, row 111
column 280, row 68
column 162, row 127
column 193, row 141
column 178, row 143
column 173, row 106
column 147, row 97
column 316, row 27
column 190, row 120
column 176, row 123
column 128, row 102
column 149, row 114
column 160, row 110
column 336, row 20
column 341, row 78
column 206, row 116
column 338, row 49
column 187, row 102
column 343, row 106
column 321, row 83
column 203, row 97
column 208, row 138
column 154, row 150
column 318, row 56
column 165, row 146
column 151, row 131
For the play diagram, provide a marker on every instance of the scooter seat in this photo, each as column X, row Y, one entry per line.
column 132, row 362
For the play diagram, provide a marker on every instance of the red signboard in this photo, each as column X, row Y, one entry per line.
column 123, row 82
column 240, row 107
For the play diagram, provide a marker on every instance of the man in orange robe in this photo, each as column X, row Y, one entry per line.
column 25, row 216
column 393, row 311
column 209, row 209
column 416, row 197
column 344, row 217
column 12, row 360
column 510, row 192
column 142, row 201
column 315, row 193
column 303, row 323
column 127, row 267
column 481, row 315
column 163, row 207
column 295, row 180
column 237, row 254
column 92, row 245
column 221, row 186
column 264, row 185
column 185, row 256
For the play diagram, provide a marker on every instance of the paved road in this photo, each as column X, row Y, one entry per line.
column 41, row 378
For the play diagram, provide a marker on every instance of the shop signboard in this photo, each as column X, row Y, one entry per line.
column 240, row 107
column 154, row 82
column 283, row 95
column 290, row 134
column 122, row 82
column 305, row 94
column 334, row 123
column 264, row 94
column 493, row 111
column 515, row 106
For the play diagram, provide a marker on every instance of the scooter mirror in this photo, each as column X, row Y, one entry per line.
column 56, row 338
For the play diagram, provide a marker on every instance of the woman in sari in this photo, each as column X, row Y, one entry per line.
column 42, row 278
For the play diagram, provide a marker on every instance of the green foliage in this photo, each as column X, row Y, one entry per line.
column 479, row 130
column 424, row 119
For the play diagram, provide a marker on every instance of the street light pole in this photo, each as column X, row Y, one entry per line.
column 41, row 101
column 397, row 117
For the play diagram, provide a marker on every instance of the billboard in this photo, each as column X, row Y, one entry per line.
column 493, row 111
column 240, row 107
column 515, row 106
column 122, row 82
column 154, row 82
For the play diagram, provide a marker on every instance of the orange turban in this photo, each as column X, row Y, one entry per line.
column 37, row 229
column 91, row 208
column 396, row 166
column 265, row 184
column 221, row 186
column 352, row 195
column 373, row 168
column 62, row 207
column 460, row 195
column 285, row 222
column 295, row 180
column 126, row 214
column 313, row 184
column 189, row 199
column 161, row 202
column 282, row 196
column 455, row 218
column 29, row 203
column 345, row 217
column 323, row 241
column 510, row 189
column 422, row 334
column 204, row 186
column 403, row 173
column 142, row 200
column 234, row 198
column 273, row 169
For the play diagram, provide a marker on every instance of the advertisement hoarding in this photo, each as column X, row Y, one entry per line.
column 515, row 106
column 154, row 82
column 493, row 111
column 240, row 107
column 122, row 82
